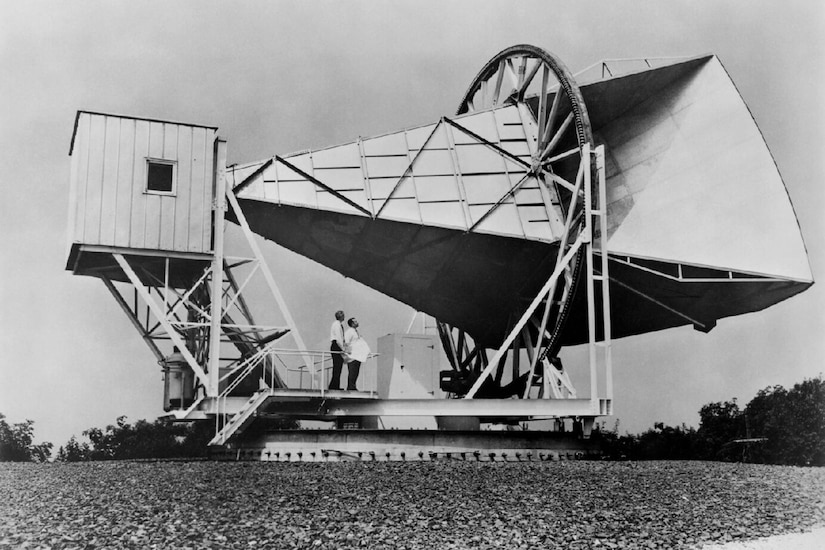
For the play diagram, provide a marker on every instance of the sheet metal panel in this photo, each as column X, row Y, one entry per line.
column 692, row 181
column 416, row 137
column 125, row 168
column 184, row 192
column 431, row 179
column 94, row 180
column 387, row 166
column 200, row 205
column 81, row 153
column 390, row 144
column 167, row 203
column 504, row 219
column 342, row 156
column 400, row 209
column 485, row 188
column 482, row 124
column 137, row 235
column 108, row 195
column 151, row 236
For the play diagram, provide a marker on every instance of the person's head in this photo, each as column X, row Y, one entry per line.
column 353, row 322
column 339, row 315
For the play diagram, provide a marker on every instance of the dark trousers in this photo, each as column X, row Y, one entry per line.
column 353, row 367
column 337, row 363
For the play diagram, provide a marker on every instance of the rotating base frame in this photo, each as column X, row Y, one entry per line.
column 408, row 446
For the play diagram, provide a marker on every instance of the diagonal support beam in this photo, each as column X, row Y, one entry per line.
column 408, row 171
column 526, row 316
column 491, row 145
column 251, row 177
column 270, row 280
column 147, row 337
column 323, row 186
column 160, row 314
column 500, row 201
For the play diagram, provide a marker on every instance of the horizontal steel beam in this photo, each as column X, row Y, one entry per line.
column 309, row 403
column 501, row 408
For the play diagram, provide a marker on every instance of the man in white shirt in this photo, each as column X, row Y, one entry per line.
column 336, row 348
column 357, row 350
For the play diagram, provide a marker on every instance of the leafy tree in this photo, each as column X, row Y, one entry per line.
column 73, row 451
column 16, row 443
column 668, row 443
column 615, row 446
column 719, row 424
column 792, row 422
column 143, row 439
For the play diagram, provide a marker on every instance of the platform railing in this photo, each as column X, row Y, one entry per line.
column 288, row 367
column 296, row 375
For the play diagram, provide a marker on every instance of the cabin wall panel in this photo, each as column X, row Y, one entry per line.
column 153, row 207
column 108, row 202
column 184, row 190
column 167, row 202
column 125, row 169
column 137, row 236
column 81, row 152
column 94, row 182
column 208, row 190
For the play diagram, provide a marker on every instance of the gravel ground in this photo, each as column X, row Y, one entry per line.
column 812, row 540
column 395, row 505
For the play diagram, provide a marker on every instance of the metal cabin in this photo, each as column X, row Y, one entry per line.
column 139, row 185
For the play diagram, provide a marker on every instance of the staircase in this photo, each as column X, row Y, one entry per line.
column 243, row 417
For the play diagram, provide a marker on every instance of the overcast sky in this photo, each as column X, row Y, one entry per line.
column 277, row 77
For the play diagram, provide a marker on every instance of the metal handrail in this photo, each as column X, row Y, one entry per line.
column 321, row 364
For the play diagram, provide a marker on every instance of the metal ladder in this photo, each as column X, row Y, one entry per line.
column 242, row 418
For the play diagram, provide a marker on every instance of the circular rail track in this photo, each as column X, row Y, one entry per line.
column 542, row 87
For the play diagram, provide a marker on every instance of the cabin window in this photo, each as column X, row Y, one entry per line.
column 160, row 176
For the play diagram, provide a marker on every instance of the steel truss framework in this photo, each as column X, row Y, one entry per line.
column 531, row 333
column 547, row 391
column 219, row 338
column 563, row 170
column 544, row 91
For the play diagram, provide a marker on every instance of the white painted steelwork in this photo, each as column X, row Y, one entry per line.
column 543, row 214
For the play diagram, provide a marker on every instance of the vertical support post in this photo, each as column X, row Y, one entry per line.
column 216, row 291
column 166, row 284
column 608, row 354
column 591, row 299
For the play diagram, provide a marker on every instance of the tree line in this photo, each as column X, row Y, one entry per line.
column 778, row 426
